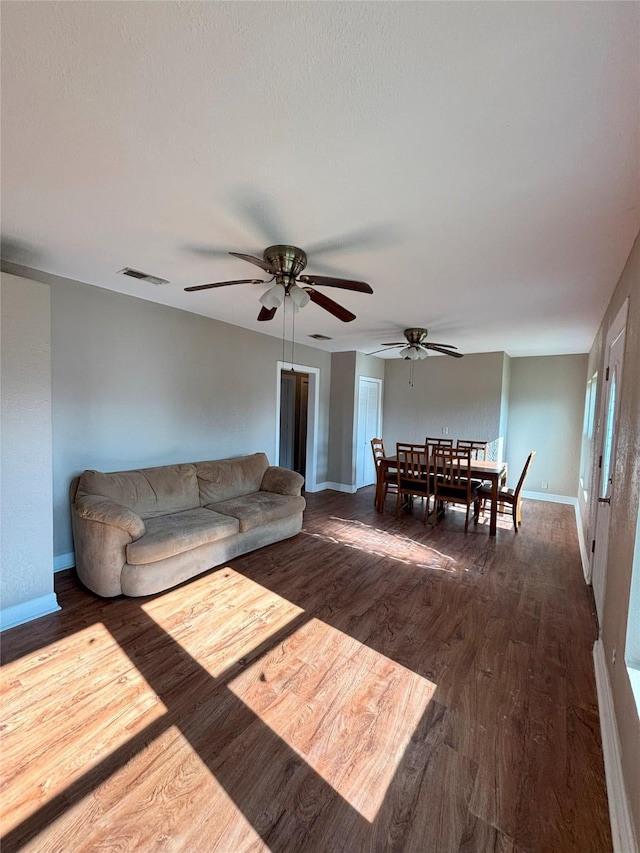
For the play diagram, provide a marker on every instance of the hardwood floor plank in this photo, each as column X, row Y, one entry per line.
column 479, row 837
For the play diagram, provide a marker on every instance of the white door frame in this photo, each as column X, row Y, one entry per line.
column 602, row 511
column 362, row 449
column 313, row 411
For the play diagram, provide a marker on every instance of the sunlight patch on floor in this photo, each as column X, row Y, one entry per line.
column 181, row 801
column 232, row 613
column 384, row 543
column 346, row 709
column 74, row 730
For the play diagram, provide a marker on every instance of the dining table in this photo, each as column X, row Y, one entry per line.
column 481, row 469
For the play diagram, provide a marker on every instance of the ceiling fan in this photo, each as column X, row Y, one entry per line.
column 416, row 346
column 284, row 264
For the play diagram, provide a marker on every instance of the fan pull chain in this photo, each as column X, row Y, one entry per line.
column 284, row 323
column 293, row 334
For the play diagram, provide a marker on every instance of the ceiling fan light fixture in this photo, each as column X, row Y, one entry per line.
column 274, row 297
column 299, row 296
column 422, row 353
column 409, row 352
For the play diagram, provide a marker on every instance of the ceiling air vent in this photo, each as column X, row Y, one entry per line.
column 143, row 276
column 320, row 337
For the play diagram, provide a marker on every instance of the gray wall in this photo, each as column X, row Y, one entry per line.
column 506, row 391
column 343, row 368
column 536, row 403
column 546, row 408
column 139, row 384
column 26, row 528
column 346, row 370
column 625, row 507
column 463, row 394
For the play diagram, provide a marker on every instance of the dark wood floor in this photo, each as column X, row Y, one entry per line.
column 371, row 685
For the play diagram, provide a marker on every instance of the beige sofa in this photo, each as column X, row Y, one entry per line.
column 140, row 532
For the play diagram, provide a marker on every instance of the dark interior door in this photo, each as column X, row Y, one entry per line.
column 294, row 396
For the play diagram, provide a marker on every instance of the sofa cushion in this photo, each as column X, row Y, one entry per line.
column 223, row 479
column 149, row 492
column 168, row 535
column 259, row 508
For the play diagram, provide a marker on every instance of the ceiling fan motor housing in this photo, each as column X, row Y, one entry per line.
column 416, row 336
column 287, row 262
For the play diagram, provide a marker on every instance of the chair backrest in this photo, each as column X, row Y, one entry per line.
column 444, row 442
column 377, row 446
column 412, row 464
column 479, row 449
column 451, row 469
column 433, row 443
column 527, row 465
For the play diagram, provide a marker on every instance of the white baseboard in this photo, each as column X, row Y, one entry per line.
column 64, row 561
column 336, row 487
column 28, row 610
column 554, row 499
column 624, row 840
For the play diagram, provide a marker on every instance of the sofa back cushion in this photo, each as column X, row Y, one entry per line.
column 224, row 479
column 150, row 492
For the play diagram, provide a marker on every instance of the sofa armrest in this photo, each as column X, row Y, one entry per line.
column 102, row 529
column 96, row 508
column 281, row 481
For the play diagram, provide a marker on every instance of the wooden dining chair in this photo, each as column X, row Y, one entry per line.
column 452, row 481
column 412, row 476
column 389, row 475
column 510, row 497
column 479, row 449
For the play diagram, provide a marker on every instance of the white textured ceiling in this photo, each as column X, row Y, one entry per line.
column 477, row 163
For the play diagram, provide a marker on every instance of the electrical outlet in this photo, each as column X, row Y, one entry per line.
column 613, row 657
column 545, row 484
column 445, row 430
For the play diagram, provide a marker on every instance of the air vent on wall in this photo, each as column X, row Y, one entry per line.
column 321, row 337
column 143, row 276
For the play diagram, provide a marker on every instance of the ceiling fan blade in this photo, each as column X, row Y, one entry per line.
column 259, row 262
column 434, row 344
column 387, row 348
column 395, row 344
column 225, row 283
column 330, row 306
column 267, row 313
column 437, row 348
column 344, row 283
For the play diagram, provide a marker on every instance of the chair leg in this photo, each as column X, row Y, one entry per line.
column 466, row 518
column 426, row 509
column 434, row 514
column 515, row 516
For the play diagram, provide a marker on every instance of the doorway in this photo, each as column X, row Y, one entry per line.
column 313, row 419
column 369, row 426
column 294, row 401
column 608, row 424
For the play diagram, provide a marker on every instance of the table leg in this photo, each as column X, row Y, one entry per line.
column 493, row 526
